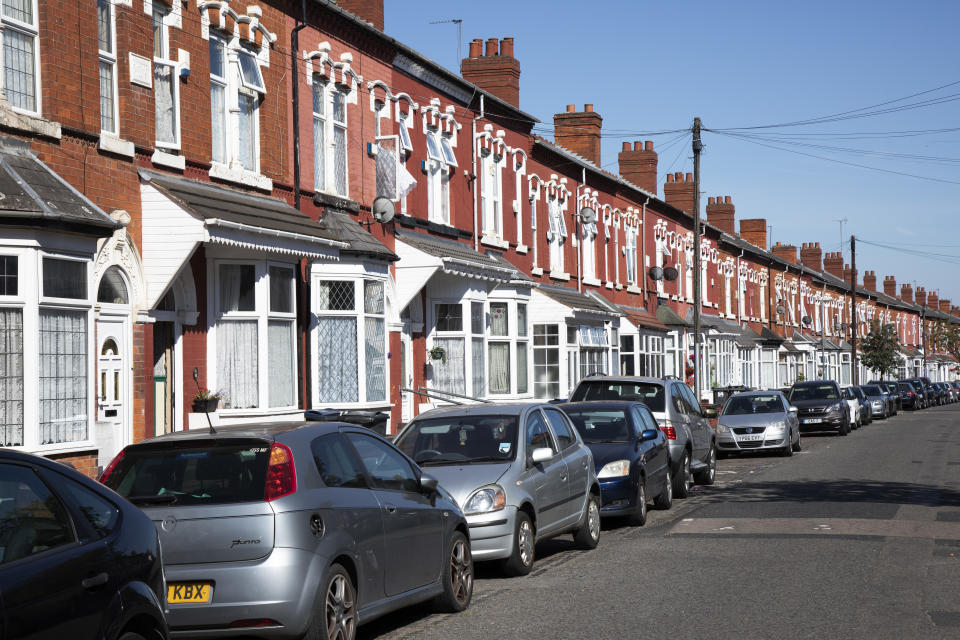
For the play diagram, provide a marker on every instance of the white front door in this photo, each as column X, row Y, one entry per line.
column 113, row 383
column 406, row 376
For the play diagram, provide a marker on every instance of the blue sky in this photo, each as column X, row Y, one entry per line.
column 652, row 66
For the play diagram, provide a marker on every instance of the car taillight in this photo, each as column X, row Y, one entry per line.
column 281, row 475
column 102, row 478
column 670, row 432
column 911, row 394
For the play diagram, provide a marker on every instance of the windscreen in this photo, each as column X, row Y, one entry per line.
column 747, row 405
column 601, row 425
column 814, row 392
column 649, row 393
column 185, row 474
column 460, row 439
column 872, row 390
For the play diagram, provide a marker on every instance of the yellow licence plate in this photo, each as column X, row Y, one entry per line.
column 189, row 592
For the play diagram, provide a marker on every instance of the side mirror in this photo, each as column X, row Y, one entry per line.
column 710, row 412
column 541, row 454
column 792, row 410
column 428, row 484
column 649, row 434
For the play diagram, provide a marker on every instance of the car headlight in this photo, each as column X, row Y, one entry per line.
column 615, row 469
column 835, row 408
column 723, row 429
column 776, row 426
column 486, row 500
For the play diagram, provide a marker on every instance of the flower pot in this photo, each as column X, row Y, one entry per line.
column 205, row 405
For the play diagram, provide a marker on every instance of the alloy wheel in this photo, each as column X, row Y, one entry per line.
column 461, row 571
column 525, row 542
column 593, row 519
column 341, row 614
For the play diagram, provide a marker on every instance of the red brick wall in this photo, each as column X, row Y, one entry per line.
column 85, row 462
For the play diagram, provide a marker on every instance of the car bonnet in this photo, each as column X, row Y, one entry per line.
column 461, row 480
column 751, row 419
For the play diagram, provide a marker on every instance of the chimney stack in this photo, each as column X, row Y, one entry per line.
column 579, row 131
column 921, row 296
column 720, row 213
column 367, row 10
column 678, row 191
column 933, row 300
column 846, row 274
column 496, row 72
column 786, row 252
column 906, row 293
column 890, row 286
column 833, row 263
column 638, row 164
column 944, row 305
column 811, row 256
column 870, row 280
column 754, row 231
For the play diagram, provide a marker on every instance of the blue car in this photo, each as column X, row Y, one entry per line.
column 630, row 453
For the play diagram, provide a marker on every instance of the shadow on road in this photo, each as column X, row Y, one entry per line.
column 836, row 491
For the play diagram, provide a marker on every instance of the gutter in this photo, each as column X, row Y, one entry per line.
column 276, row 233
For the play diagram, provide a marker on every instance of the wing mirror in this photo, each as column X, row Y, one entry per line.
column 649, row 434
column 541, row 454
column 710, row 412
column 792, row 410
column 428, row 484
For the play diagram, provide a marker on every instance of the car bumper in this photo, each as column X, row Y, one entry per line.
column 272, row 588
column 728, row 443
column 826, row 422
column 491, row 534
column 618, row 495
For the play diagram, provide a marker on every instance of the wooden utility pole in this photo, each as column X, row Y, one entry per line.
column 697, row 298
column 853, row 310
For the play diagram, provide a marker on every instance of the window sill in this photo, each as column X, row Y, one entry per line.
column 633, row 289
column 118, row 146
column 609, row 285
column 537, row 271
column 493, row 241
column 242, row 416
column 522, row 249
column 13, row 119
column 618, row 287
column 593, row 282
column 559, row 275
column 240, row 176
column 164, row 159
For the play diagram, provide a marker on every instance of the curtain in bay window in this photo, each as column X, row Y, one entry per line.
column 63, row 376
column 450, row 375
column 498, row 318
column 376, row 362
column 281, row 363
column 337, row 375
column 11, row 377
column 478, row 366
column 499, row 367
column 522, row 374
column 237, row 366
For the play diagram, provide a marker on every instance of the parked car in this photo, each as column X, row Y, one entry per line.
column 853, row 406
column 285, row 530
column 879, row 400
column 630, row 455
column 693, row 445
column 820, row 406
column 866, row 410
column 922, row 385
column 910, row 396
column 76, row 560
column 893, row 395
column 521, row 472
column 939, row 393
column 758, row 420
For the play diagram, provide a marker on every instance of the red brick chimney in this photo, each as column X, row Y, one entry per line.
column 833, row 263
column 678, row 191
column 786, row 252
column 811, row 256
column 906, row 293
column 933, row 300
column 579, row 131
column 720, row 213
column 497, row 71
column 367, row 10
column 639, row 165
column 754, row 231
column 944, row 305
column 890, row 286
column 870, row 280
column 921, row 296
column 846, row 273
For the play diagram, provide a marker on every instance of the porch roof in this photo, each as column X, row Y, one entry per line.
column 579, row 302
column 642, row 319
column 669, row 317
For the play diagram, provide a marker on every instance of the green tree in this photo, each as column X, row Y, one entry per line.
column 880, row 349
column 945, row 338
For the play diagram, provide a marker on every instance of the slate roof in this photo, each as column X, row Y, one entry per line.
column 642, row 318
column 359, row 240
column 442, row 248
column 669, row 317
column 748, row 337
column 32, row 194
column 576, row 300
column 768, row 335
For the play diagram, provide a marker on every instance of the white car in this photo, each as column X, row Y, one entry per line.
column 853, row 406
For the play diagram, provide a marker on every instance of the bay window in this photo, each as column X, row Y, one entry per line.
column 523, row 384
column 593, row 350
column 449, row 366
column 546, row 361
column 478, row 359
column 498, row 348
column 11, row 377
column 108, row 66
column 19, row 32
column 768, row 369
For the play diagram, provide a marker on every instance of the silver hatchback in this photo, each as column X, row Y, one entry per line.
column 280, row 531
column 758, row 420
column 520, row 472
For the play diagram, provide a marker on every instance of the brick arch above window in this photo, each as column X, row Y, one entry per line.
column 319, row 63
column 219, row 15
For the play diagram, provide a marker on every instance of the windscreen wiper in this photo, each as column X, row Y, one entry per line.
column 167, row 498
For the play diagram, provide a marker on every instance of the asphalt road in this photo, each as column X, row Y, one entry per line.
column 854, row 537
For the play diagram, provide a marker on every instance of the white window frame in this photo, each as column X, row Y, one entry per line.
column 464, row 334
column 491, row 195
column 327, row 120
column 556, row 233
column 165, row 58
column 224, row 83
column 588, row 252
column 109, row 58
column 234, row 86
column 439, row 171
column 630, row 255
column 32, row 31
column 546, row 348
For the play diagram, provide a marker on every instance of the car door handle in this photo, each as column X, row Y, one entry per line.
column 583, row 463
column 563, row 478
column 95, row 581
column 391, row 508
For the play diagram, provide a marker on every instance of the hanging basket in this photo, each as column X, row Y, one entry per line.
column 205, row 405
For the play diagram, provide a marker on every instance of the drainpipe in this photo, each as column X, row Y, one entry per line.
column 576, row 222
column 304, row 315
column 740, row 302
column 642, row 271
column 473, row 133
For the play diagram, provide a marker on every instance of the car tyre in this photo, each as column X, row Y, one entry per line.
column 796, row 445
column 336, row 618
column 709, row 475
column 665, row 500
column 787, row 450
column 588, row 535
column 683, row 479
column 639, row 516
column 130, row 635
column 520, row 561
column 844, row 429
column 457, row 576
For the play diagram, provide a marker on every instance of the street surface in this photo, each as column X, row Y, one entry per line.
column 855, row 537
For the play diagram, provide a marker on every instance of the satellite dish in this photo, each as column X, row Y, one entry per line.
column 382, row 209
column 588, row 215
column 655, row 273
column 781, row 309
column 670, row 274
column 806, row 319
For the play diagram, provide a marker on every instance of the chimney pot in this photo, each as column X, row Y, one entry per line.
column 710, row 200
column 638, row 146
column 727, row 199
column 492, row 47
column 689, row 177
column 506, row 47
column 588, row 108
column 571, row 108
column 476, row 47
column 648, row 145
column 679, row 176
column 626, row 146
column 669, row 177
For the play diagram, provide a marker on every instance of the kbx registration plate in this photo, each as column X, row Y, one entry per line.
column 189, row 592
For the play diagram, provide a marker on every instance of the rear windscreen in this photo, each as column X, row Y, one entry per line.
column 215, row 474
column 813, row 392
column 872, row 390
column 649, row 393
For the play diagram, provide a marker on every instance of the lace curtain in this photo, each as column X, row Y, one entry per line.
column 478, row 367
column 11, row 377
column 166, row 114
column 375, row 360
column 63, row 376
column 450, row 375
column 522, row 367
column 499, row 367
column 237, row 363
column 337, row 377
column 281, row 363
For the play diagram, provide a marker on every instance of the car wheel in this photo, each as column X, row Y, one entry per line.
column 683, row 479
column 457, row 576
column 787, row 450
column 844, row 429
column 130, row 635
column 796, row 445
column 639, row 516
column 665, row 499
column 588, row 535
column 339, row 607
column 709, row 475
column 520, row 561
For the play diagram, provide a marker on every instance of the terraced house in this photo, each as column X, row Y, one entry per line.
column 279, row 202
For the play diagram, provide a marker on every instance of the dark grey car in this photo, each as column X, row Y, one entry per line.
column 292, row 530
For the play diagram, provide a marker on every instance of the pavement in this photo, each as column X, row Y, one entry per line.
column 853, row 537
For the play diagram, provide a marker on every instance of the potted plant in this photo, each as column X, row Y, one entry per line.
column 205, row 400
column 438, row 353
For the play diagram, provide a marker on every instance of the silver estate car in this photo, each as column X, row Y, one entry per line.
column 520, row 472
column 293, row 530
column 693, row 447
column 758, row 420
